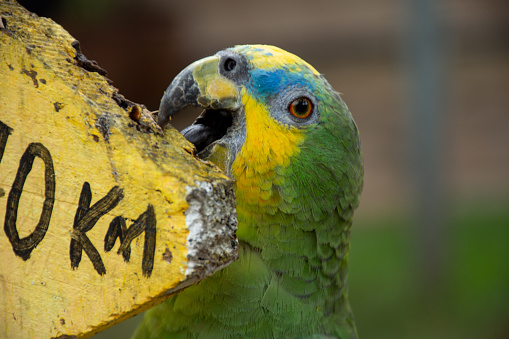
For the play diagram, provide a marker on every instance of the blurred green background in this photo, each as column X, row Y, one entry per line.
column 428, row 84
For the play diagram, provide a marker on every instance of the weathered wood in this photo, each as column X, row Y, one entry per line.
column 104, row 214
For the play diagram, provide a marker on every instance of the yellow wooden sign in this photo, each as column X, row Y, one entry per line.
column 103, row 214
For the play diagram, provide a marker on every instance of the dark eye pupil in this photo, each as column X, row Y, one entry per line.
column 229, row 64
column 301, row 106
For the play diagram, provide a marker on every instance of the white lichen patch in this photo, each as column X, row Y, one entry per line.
column 212, row 223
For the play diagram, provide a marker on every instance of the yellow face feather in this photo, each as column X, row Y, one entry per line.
column 268, row 145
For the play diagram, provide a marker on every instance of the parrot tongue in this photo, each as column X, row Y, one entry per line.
column 210, row 126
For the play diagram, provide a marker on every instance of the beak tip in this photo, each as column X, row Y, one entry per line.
column 164, row 114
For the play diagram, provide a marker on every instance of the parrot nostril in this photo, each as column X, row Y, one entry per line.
column 229, row 64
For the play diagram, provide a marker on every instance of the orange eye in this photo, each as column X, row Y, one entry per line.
column 301, row 108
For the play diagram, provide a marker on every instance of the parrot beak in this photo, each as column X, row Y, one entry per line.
column 201, row 85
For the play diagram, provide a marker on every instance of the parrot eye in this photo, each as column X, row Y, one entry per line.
column 301, row 108
column 229, row 64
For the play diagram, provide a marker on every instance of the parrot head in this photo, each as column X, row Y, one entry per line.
column 277, row 127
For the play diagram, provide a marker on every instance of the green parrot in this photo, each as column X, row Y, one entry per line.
column 275, row 126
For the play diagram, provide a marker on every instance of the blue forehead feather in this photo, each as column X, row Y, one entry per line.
column 265, row 83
